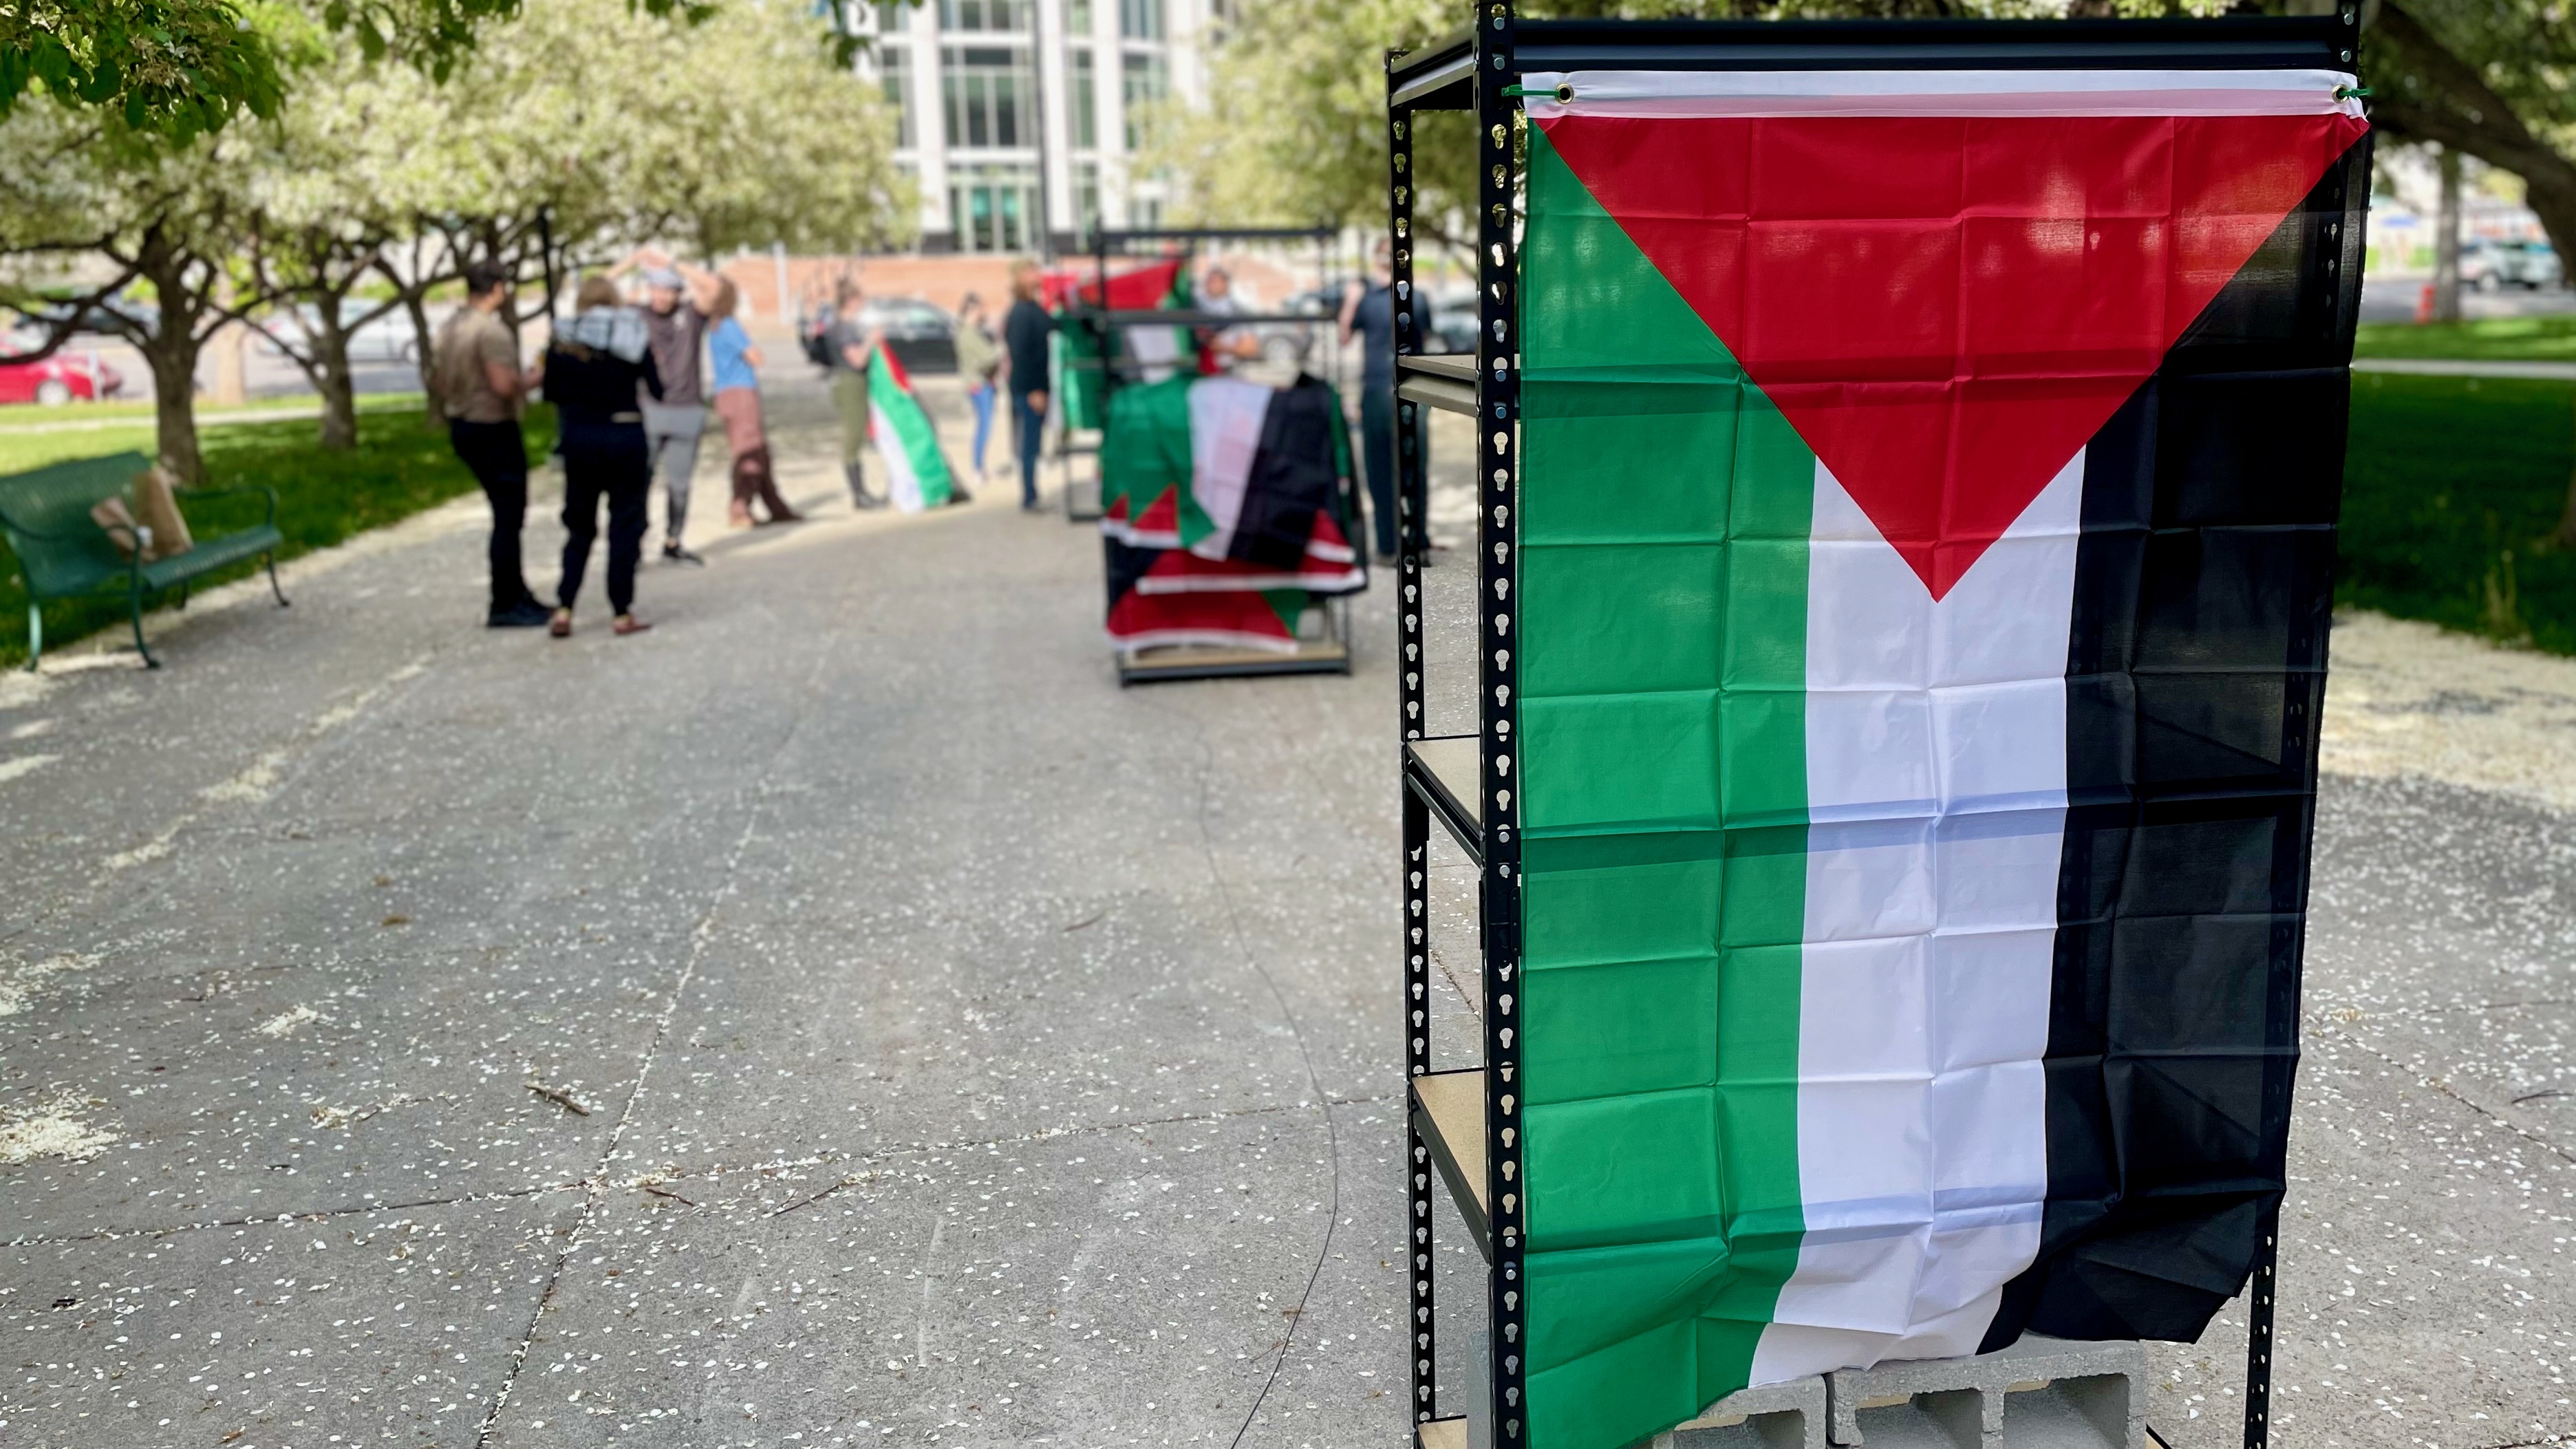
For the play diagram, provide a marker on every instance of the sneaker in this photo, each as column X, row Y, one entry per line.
column 525, row 614
column 866, row 501
column 673, row 553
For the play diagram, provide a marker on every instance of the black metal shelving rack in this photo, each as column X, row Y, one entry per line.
column 1462, row 1125
column 1102, row 324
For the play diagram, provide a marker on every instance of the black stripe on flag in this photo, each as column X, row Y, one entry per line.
column 2195, row 672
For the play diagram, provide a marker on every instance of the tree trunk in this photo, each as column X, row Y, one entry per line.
column 2550, row 192
column 2565, row 537
column 170, row 350
column 331, row 376
column 2446, row 242
column 172, row 354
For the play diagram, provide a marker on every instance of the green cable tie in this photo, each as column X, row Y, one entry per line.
column 1561, row 93
column 2355, row 93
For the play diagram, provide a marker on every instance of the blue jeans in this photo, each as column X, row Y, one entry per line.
column 980, row 397
column 1030, row 426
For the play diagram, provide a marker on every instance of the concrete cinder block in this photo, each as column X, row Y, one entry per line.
column 1769, row 1416
column 2041, row 1393
column 1480, row 1389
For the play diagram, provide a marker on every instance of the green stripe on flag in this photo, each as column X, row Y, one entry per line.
column 1665, row 513
column 918, row 476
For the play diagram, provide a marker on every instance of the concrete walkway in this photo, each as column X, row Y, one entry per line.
column 2468, row 367
column 843, row 1016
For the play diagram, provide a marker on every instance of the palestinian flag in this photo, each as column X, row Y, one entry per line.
column 1241, row 475
column 1223, row 511
column 905, row 439
column 1927, row 526
column 1164, row 285
column 1151, row 606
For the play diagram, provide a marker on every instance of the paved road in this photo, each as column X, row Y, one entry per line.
column 937, row 1044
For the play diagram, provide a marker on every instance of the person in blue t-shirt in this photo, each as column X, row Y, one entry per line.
column 737, row 402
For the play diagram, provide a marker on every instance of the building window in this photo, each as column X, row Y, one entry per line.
column 1145, row 213
column 1086, row 101
column 1140, row 19
column 1008, row 16
column 1086, row 199
column 894, row 17
column 894, row 73
column 1144, row 80
column 987, row 88
column 1077, row 17
column 994, row 208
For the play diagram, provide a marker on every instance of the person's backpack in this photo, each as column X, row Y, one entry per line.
column 815, row 351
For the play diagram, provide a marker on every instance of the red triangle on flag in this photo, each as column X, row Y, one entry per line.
column 1947, row 308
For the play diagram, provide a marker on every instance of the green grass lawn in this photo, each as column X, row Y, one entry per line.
column 2497, row 339
column 19, row 416
column 401, row 466
column 2449, row 485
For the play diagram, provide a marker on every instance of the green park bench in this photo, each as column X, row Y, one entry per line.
column 63, row 553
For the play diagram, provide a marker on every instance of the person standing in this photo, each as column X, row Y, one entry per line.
column 850, row 344
column 1225, row 347
column 732, row 359
column 1369, row 312
column 676, row 314
column 1025, row 330
column 480, row 388
column 599, row 367
column 979, row 359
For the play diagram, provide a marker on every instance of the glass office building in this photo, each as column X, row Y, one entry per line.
column 1021, row 119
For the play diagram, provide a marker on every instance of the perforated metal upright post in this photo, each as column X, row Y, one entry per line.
column 1409, row 726
column 1497, row 564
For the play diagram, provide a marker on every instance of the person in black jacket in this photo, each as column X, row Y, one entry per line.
column 594, row 366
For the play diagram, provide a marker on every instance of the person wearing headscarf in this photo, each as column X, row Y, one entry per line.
column 598, row 367
column 737, row 398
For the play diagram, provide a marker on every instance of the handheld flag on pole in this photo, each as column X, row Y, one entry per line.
column 905, row 438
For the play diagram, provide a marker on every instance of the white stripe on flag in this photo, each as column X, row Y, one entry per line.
column 1936, row 769
column 1689, row 93
column 1225, row 435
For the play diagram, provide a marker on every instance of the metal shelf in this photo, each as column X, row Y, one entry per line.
column 1198, row 661
column 1443, row 772
column 1449, row 1113
column 1455, row 366
column 1451, row 388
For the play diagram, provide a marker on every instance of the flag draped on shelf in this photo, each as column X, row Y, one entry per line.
column 1155, row 285
column 1927, row 532
column 1223, row 511
column 917, row 470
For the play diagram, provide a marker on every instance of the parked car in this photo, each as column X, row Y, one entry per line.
column 385, row 339
column 922, row 337
column 108, row 318
column 59, row 379
column 2491, row 266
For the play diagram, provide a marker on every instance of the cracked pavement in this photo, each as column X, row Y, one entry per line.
column 844, row 1016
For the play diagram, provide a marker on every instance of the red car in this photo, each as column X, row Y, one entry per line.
column 58, row 379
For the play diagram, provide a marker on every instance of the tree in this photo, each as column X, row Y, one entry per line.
column 1295, row 129
column 2488, row 78
column 177, row 68
column 169, row 216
